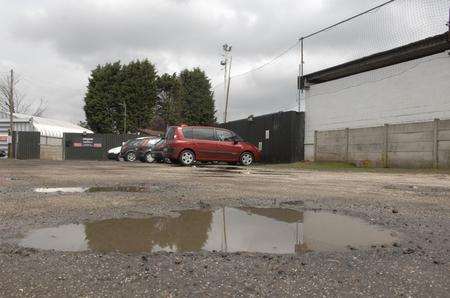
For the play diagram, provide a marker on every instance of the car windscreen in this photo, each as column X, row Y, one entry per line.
column 225, row 135
column 160, row 142
column 130, row 142
column 170, row 133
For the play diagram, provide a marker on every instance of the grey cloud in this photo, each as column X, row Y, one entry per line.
column 175, row 34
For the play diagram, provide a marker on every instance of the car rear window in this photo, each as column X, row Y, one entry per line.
column 204, row 133
column 188, row 133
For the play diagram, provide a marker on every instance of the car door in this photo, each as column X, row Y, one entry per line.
column 206, row 146
column 229, row 150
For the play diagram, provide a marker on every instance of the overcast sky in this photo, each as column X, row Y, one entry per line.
column 53, row 45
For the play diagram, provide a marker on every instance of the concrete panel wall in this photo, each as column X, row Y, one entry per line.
column 412, row 145
column 409, row 92
column 444, row 143
column 366, row 144
column 331, row 145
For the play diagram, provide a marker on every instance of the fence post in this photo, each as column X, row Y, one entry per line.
column 347, row 140
column 386, row 146
column 436, row 143
column 315, row 145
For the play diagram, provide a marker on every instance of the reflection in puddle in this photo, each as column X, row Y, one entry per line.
column 213, row 171
column 266, row 230
column 61, row 189
column 133, row 188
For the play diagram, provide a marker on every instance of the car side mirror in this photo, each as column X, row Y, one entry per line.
column 235, row 141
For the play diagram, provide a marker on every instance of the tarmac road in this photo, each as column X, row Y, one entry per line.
column 414, row 206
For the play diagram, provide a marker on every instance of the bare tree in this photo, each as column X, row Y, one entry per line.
column 20, row 104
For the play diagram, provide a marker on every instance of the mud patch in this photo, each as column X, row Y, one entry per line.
column 132, row 188
column 265, row 230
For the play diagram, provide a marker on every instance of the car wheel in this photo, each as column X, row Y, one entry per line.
column 131, row 156
column 187, row 158
column 246, row 158
column 149, row 158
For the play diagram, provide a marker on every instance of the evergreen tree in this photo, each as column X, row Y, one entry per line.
column 197, row 106
column 169, row 101
column 138, row 91
column 151, row 101
column 112, row 86
column 100, row 107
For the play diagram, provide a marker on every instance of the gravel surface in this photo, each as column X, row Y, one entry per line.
column 415, row 206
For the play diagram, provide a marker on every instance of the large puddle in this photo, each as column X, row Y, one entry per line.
column 266, row 230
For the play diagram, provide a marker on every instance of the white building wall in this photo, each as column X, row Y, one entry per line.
column 413, row 91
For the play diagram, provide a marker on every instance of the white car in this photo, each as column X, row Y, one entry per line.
column 113, row 153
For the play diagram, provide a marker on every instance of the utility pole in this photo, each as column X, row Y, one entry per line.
column 11, row 112
column 227, row 77
column 448, row 24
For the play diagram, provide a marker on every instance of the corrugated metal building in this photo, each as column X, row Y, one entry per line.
column 51, row 132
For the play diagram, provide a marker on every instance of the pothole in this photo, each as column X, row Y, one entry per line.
column 265, row 230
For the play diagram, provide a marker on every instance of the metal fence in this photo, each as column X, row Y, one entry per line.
column 92, row 146
column 280, row 136
column 26, row 145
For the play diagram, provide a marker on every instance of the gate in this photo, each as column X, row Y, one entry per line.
column 92, row 146
column 26, row 145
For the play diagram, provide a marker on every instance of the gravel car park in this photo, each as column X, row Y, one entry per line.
column 112, row 212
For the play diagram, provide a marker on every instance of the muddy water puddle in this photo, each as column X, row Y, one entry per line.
column 266, row 230
column 132, row 188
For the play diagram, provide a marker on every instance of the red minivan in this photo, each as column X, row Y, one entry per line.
column 186, row 144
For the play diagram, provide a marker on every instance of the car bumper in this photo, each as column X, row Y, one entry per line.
column 257, row 156
column 112, row 156
column 158, row 155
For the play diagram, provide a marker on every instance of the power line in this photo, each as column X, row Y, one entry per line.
column 274, row 59
column 348, row 19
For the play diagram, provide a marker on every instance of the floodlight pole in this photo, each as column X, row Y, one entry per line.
column 448, row 24
column 300, row 72
column 227, row 78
